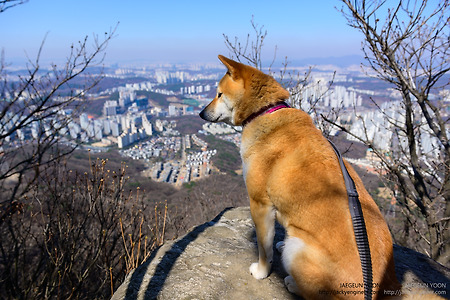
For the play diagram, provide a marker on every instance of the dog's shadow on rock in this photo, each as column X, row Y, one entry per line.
column 166, row 264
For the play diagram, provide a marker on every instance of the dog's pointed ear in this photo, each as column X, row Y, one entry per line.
column 232, row 66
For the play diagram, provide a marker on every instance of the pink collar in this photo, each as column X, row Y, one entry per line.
column 266, row 110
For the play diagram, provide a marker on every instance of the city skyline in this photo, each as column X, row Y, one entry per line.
column 176, row 31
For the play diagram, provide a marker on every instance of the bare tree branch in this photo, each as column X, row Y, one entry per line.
column 36, row 104
column 410, row 50
column 250, row 52
column 7, row 4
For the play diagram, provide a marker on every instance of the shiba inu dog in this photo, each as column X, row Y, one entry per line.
column 292, row 174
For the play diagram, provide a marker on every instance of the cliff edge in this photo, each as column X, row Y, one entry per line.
column 212, row 261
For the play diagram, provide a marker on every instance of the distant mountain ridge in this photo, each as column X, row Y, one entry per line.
column 339, row 61
column 19, row 63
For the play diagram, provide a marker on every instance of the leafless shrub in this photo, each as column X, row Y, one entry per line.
column 76, row 236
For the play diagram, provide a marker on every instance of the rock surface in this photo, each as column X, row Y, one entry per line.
column 212, row 261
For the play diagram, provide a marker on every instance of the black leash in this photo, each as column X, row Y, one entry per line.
column 359, row 227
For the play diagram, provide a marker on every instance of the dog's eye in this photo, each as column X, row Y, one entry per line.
column 219, row 95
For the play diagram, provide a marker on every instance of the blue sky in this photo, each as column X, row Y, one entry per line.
column 176, row 31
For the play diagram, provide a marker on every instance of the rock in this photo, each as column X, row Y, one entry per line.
column 212, row 262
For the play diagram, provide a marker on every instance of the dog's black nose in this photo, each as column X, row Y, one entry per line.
column 202, row 115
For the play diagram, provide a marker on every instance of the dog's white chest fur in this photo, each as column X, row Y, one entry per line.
column 245, row 161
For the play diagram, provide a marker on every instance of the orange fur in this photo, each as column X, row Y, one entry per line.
column 292, row 172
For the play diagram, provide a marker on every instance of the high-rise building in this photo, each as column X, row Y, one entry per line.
column 106, row 127
column 147, row 125
column 122, row 140
column 84, row 121
column 126, row 97
column 115, row 128
column 110, row 108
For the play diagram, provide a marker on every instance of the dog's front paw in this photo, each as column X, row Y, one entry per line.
column 258, row 271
